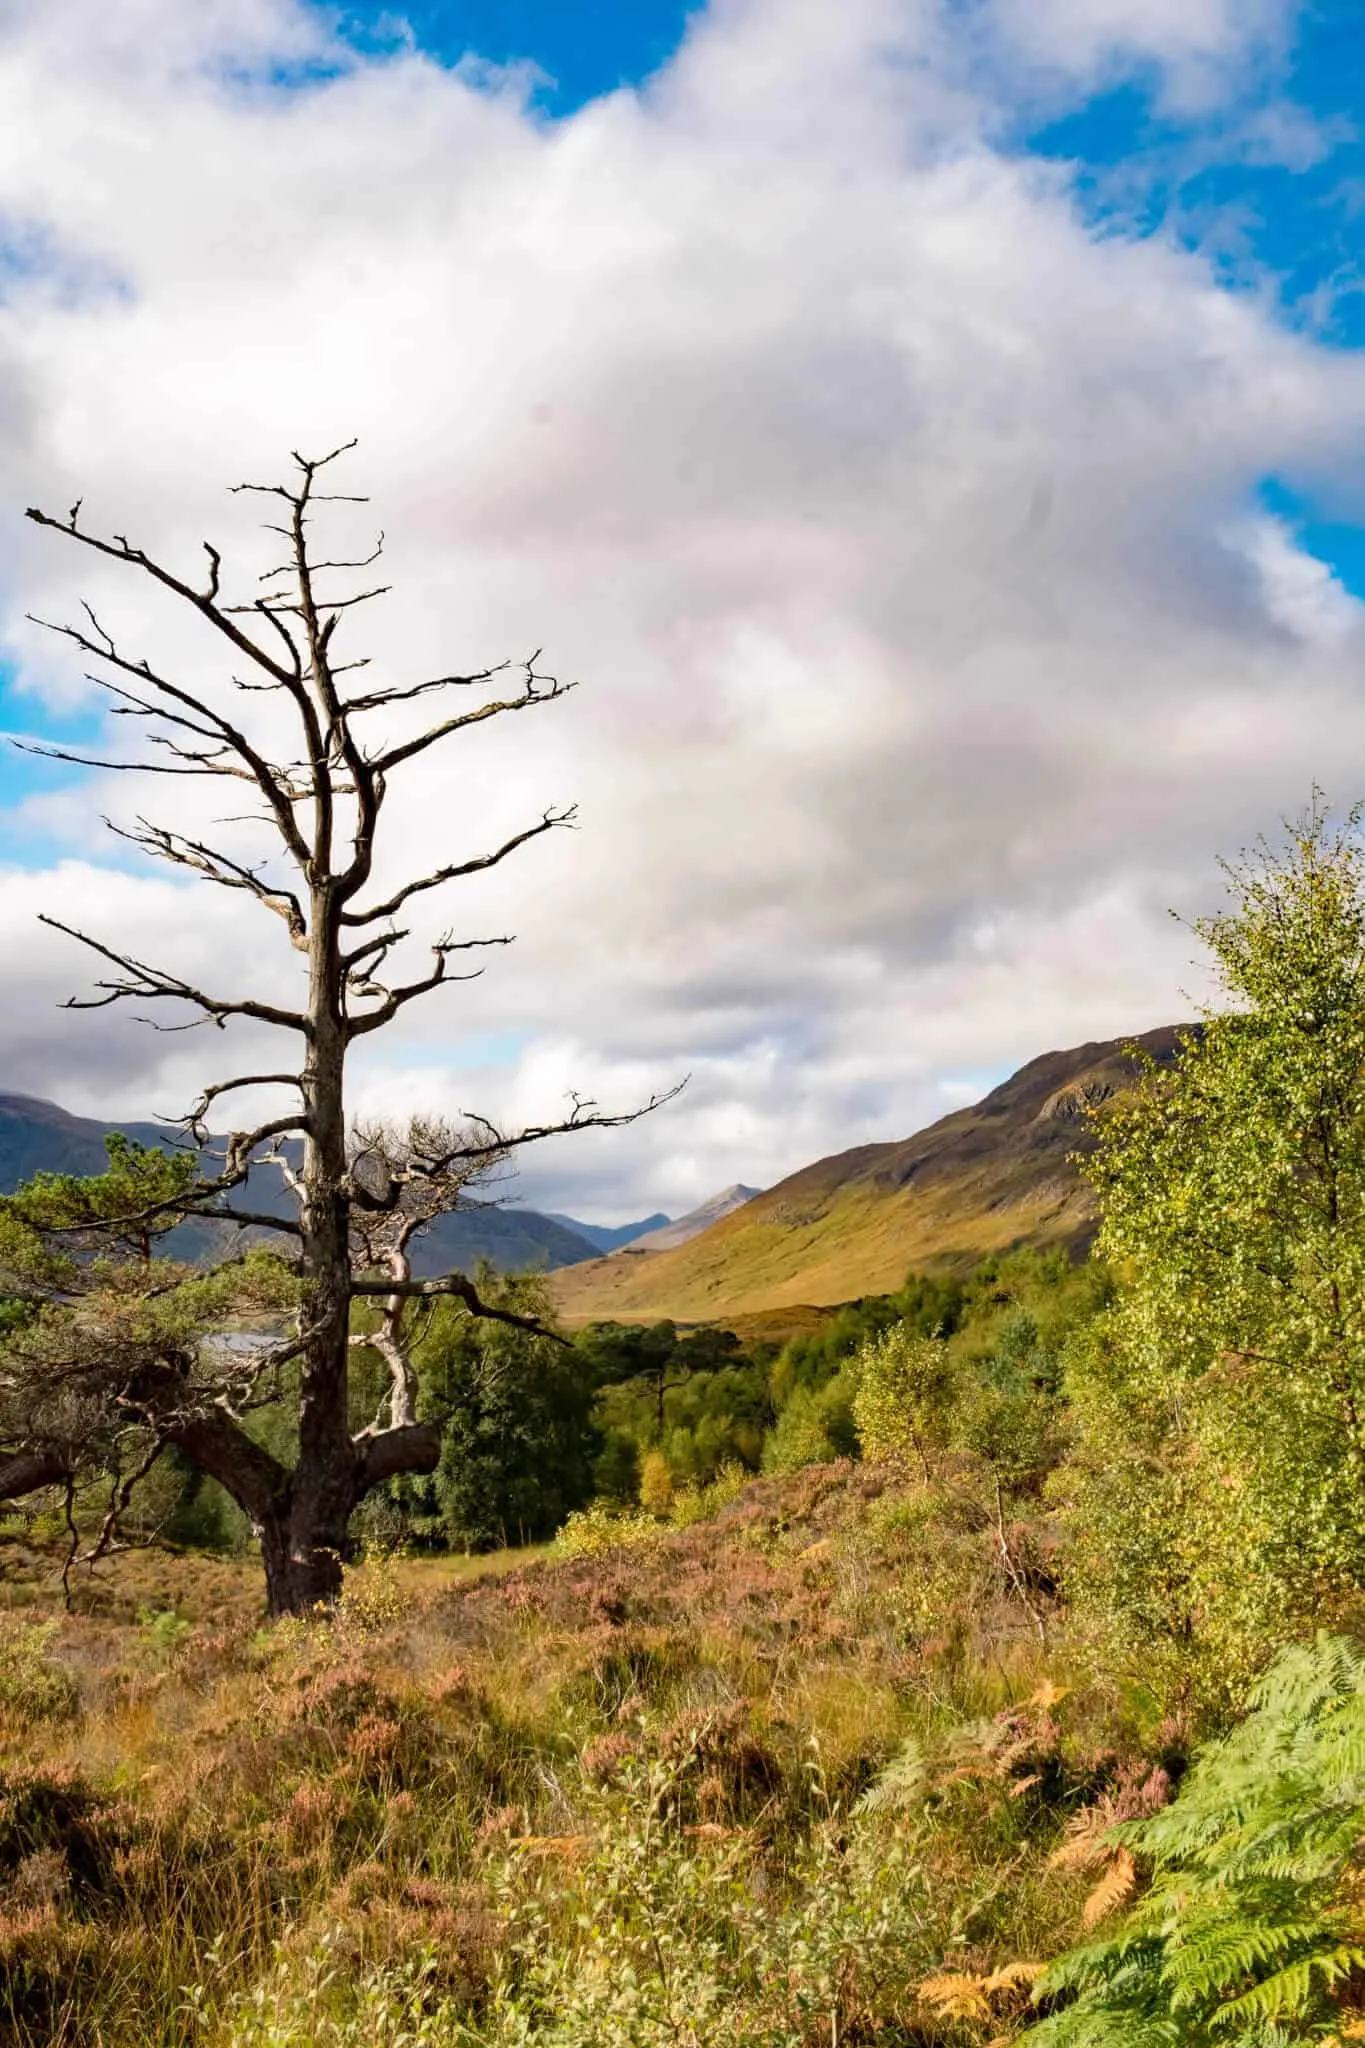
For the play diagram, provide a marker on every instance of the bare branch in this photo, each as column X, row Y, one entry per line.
column 374, row 949
column 551, row 822
column 253, row 1219
column 151, row 983
column 378, row 700
column 584, row 1116
column 116, row 767
column 28, row 1471
column 410, row 1447
column 120, row 1496
column 398, row 998
column 456, row 1287
column 288, row 568
column 267, row 778
column 194, row 1121
column 218, row 867
column 120, row 551
column 241, row 1147
column 273, row 604
column 291, row 648
column 531, row 695
column 223, row 1449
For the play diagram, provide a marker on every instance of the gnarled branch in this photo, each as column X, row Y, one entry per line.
column 551, row 822
column 150, row 984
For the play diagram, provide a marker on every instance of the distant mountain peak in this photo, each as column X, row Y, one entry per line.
column 695, row 1221
column 609, row 1237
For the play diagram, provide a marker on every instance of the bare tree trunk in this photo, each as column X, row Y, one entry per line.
column 296, row 1584
column 323, row 1492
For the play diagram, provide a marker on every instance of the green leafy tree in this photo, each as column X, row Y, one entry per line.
column 815, row 1427
column 616, row 1471
column 515, row 1411
column 127, row 1209
column 1216, row 1495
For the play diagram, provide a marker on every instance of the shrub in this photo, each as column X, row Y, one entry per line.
column 371, row 1597
column 591, row 1531
column 814, row 1428
column 648, row 1933
column 905, row 1386
column 33, row 1688
column 656, row 1484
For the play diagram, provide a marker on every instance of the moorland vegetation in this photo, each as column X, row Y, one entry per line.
column 983, row 1666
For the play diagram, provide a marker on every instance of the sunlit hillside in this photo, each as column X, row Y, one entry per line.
column 981, row 1180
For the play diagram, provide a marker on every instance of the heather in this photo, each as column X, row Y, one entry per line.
column 784, row 1771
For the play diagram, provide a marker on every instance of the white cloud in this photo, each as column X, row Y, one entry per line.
column 1299, row 593
column 896, row 523
column 1202, row 50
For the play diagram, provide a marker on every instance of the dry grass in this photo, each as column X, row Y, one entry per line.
column 193, row 1808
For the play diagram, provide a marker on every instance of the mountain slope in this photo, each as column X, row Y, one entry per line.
column 979, row 1180
column 38, row 1136
column 605, row 1237
column 669, row 1236
column 512, row 1240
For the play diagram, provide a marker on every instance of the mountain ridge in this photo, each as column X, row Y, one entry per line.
column 608, row 1237
column 995, row 1174
column 38, row 1135
column 684, row 1228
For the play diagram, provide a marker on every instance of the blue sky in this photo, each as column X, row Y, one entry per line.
column 585, row 47
column 1295, row 228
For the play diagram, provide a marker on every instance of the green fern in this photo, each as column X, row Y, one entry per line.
column 901, row 1784
column 1243, row 1939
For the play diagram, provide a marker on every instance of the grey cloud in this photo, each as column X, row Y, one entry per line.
column 902, row 531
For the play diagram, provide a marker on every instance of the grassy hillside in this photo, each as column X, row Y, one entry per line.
column 980, row 1180
column 635, row 1772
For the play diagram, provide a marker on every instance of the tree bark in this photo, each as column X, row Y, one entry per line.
column 28, row 1471
column 324, row 1489
column 301, row 1574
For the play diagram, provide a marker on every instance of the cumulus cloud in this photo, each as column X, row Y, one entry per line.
column 902, row 529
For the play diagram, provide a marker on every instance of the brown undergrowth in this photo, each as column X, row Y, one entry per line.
column 815, row 1740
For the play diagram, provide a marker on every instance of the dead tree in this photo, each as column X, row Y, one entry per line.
column 356, row 1205
column 402, row 1181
